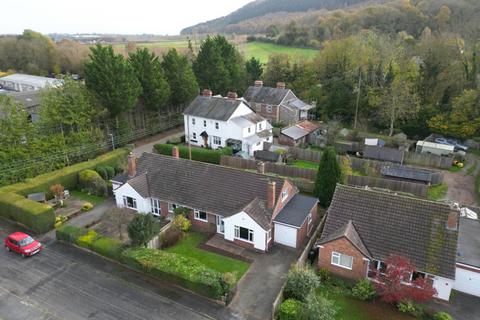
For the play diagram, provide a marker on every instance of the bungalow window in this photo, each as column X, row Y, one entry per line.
column 216, row 125
column 172, row 207
column 204, row 123
column 130, row 202
column 193, row 121
column 342, row 260
column 217, row 140
column 201, row 215
column 284, row 194
column 243, row 234
column 269, row 109
column 416, row 275
column 155, row 207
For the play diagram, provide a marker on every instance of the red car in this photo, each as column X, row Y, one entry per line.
column 23, row 244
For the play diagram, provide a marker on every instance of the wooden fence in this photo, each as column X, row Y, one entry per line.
column 279, row 169
column 417, row 189
column 428, row 160
column 155, row 242
column 306, row 154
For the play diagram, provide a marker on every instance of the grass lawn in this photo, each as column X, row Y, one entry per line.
column 305, row 164
column 187, row 246
column 437, row 192
column 455, row 169
column 95, row 200
column 263, row 51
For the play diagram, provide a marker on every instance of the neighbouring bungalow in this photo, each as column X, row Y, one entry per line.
column 216, row 122
column 299, row 134
column 278, row 105
column 364, row 227
column 250, row 209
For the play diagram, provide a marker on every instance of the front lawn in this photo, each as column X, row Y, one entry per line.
column 95, row 200
column 188, row 247
column 305, row 164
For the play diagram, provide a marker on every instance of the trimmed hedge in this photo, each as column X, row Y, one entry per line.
column 108, row 247
column 198, row 154
column 70, row 234
column 186, row 272
column 40, row 217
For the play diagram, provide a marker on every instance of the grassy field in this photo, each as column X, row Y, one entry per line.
column 95, row 200
column 262, row 51
column 188, row 246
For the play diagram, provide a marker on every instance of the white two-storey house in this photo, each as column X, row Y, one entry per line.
column 215, row 122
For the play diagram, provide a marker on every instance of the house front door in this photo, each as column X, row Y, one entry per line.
column 220, row 224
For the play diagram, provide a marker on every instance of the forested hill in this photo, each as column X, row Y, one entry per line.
column 264, row 7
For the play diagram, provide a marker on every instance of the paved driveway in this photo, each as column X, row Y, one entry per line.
column 259, row 287
column 461, row 306
column 63, row 282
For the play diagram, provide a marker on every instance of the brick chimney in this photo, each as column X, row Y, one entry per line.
column 132, row 165
column 281, row 85
column 271, row 194
column 175, row 152
column 452, row 222
column 261, row 167
column 232, row 96
column 258, row 83
column 207, row 93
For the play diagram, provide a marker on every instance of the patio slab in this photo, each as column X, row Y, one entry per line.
column 219, row 245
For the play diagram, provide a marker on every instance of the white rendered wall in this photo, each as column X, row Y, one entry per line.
column 244, row 220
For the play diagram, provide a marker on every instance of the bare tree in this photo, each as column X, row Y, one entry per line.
column 119, row 219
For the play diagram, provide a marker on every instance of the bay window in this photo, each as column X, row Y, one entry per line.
column 243, row 234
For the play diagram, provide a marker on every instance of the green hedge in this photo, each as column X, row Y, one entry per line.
column 40, row 217
column 186, row 272
column 108, row 247
column 198, row 154
column 70, row 234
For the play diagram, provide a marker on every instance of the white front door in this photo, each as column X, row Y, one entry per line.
column 220, row 224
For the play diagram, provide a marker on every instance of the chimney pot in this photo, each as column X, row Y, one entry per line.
column 261, row 167
column 258, row 83
column 281, row 85
column 132, row 165
column 207, row 93
column 175, row 152
column 271, row 194
column 232, row 96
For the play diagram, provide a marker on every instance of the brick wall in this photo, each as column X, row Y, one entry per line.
column 261, row 109
column 342, row 245
column 306, row 230
column 244, row 244
column 202, row 226
column 292, row 191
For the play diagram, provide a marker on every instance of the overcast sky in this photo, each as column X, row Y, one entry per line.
column 110, row 16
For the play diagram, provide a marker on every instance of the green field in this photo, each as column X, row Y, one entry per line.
column 259, row 50
column 263, row 51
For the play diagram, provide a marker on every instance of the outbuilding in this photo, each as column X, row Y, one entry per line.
column 467, row 272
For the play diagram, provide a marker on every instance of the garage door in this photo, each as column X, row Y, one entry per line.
column 467, row 281
column 285, row 235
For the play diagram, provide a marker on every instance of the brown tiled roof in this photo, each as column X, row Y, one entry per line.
column 348, row 231
column 207, row 187
column 393, row 224
column 308, row 126
column 257, row 211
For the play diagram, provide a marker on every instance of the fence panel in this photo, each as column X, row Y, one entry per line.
column 306, row 154
column 428, row 160
column 417, row 189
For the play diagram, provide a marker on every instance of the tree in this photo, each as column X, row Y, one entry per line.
column 272, row 31
column 112, row 80
column 254, row 69
column 149, row 72
column 180, row 77
column 119, row 217
column 219, row 66
column 391, row 285
column 328, row 175
column 142, row 229
column 58, row 191
column 300, row 283
column 278, row 69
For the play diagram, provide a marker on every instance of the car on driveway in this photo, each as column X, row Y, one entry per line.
column 22, row 244
column 451, row 142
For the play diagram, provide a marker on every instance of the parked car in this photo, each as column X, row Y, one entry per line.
column 451, row 142
column 22, row 244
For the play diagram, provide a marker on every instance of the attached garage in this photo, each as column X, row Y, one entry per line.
column 467, row 280
column 285, row 235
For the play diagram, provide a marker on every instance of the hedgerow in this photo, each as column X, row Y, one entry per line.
column 198, row 154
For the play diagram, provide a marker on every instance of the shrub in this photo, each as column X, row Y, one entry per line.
column 108, row 247
column 102, row 172
column 59, row 220
column 92, row 182
column 300, row 283
column 170, row 238
column 318, row 308
column 181, row 223
column 87, row 239
column 142, row 229
column 70, row 234
column 364, row 290
column 110, row 172
column 442, row 316
column 290, row 310
column 174, row 140
column 324, row 274
column 87, row 206
column 198, row 154
column 57, row 190
column 182, row 211
column 184, row 271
